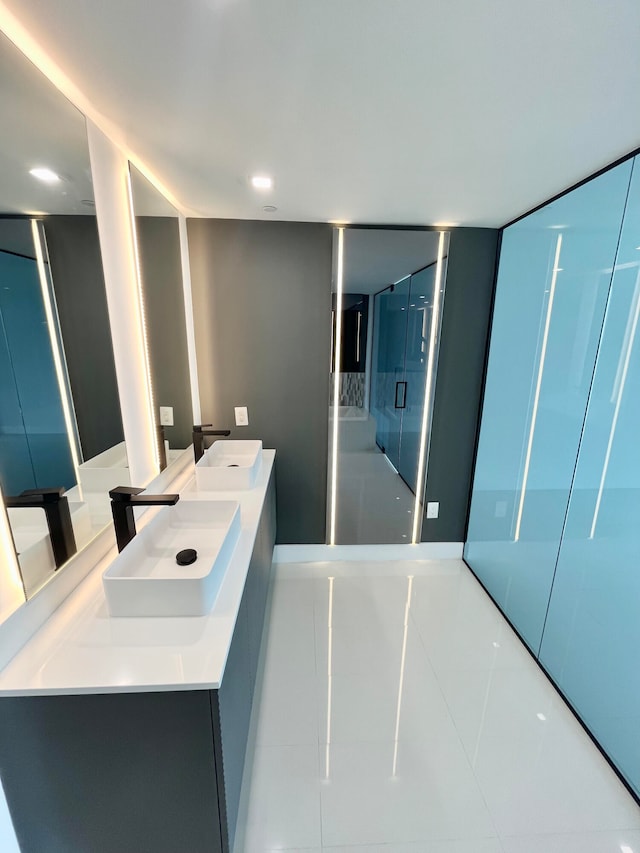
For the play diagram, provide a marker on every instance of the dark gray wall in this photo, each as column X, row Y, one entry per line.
column 465, row 328
column 76, row 268
column 262, row 313
column 159, row 248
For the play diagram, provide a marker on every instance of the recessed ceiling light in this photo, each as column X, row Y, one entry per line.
column 269, row 208
column 261, row 182
column 44, row 174
column 541, row 717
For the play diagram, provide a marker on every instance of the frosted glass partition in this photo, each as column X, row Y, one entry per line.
column 592, row 636
column 553, row 281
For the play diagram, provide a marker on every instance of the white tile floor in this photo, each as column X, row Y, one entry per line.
column 398, row 713
column 374, row 504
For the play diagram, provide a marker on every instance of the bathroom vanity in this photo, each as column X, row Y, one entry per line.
column 123, row 734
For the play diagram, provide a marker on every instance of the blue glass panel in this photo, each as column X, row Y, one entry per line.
column 16, row 471
column 592, row 636
column 420, row 316
column 388, row 370
column 29, row 344
column 554, row 276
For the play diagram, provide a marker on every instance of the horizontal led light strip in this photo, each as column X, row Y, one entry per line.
column 536, row 398
column 69, row 420
column 428, row 394
column 614, row 423
column 143, row 323
column 336, row 387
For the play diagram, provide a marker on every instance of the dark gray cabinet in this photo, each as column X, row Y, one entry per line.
column 147, row 772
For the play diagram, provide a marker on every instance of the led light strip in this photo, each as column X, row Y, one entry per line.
column 329, row 677
column 536, row 398
column 402, row 665
column 143, row 324
column 428, row 393
column 614, row 423
column 336, row 386
column 69, row 420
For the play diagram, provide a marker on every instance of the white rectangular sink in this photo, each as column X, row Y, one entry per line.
column 145, row 579
column 229, row 465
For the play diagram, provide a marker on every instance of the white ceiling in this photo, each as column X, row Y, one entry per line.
column 379, row 111
column 39, row 127
column 375, row 258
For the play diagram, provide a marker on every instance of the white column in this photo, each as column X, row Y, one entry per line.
column 110, row 183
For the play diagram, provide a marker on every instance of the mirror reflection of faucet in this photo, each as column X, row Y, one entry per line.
column 123, row 501
column 56, row 509
column 199, row 432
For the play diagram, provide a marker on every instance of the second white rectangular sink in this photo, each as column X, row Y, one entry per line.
column 229, row 465
column 146, row 580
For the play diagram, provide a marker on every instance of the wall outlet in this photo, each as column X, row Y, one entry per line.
column 166, row 415
column 242, row 416
column 433, row 508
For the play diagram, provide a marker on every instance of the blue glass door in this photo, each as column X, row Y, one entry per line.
column 388, row 377
column 419, row 320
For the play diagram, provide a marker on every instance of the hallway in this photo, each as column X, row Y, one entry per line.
column 398, row 713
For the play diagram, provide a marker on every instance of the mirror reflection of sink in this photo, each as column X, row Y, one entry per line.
column 33, row 543
column 106, row 470
column 145, row 579
column 229, row 465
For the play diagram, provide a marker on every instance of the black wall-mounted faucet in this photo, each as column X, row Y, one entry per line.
column 123, row 501
column 199, row 432
column 56, row 509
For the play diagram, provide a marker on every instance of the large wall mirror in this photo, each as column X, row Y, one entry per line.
column 61, row 436
column 388, row 293
column 157, row 234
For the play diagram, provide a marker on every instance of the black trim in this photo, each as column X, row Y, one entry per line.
column 404, row 395
column 575, row 186
column 18, row 254
column 567, row 702
column 483, row 387
column 391, row 287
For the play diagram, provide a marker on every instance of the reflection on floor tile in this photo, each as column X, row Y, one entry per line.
column 399, row 713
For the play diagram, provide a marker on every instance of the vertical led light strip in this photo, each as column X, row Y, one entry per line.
column 329, row 677
column 428, row 393
column 407, row 607
column 614, row 423
column 336, row 386
column 143, row 323
column 536, row 397
column 69, row 419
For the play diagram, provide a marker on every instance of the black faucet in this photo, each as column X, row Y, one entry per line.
column 56, row 509
column 123, row 501
column 199, row 432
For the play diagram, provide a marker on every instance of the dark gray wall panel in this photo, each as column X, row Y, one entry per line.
column 465, row 328
column 111, row 773
column 160, row 262
column 76, row 268
column 262, row 312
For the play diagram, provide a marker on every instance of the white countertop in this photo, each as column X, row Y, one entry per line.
column 81, row 649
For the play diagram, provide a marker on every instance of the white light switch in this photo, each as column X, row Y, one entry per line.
column 166, row 415
column 501, row 509
column 433, row 508
column 242, row 416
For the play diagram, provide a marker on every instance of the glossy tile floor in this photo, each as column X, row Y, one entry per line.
column 398, row 713
column 374, row 504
